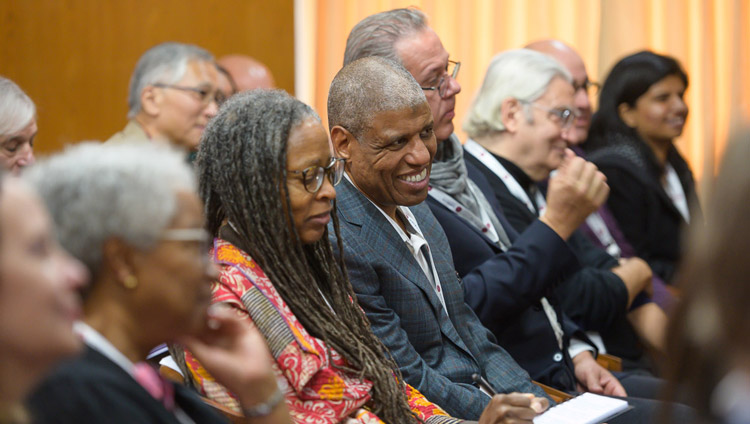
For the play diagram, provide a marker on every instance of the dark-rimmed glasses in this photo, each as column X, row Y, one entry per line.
column 441, row 87
column 564, row 116
column 204, row 95
column 312, row 177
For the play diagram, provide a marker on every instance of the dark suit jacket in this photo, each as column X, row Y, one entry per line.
column 436, row 353
column 646, row 214
column 93, row 389
column 594, row 297
column 504, row 288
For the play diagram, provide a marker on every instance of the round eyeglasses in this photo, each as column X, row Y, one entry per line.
column 564, row 116
column 312, row 177
column 442, row 85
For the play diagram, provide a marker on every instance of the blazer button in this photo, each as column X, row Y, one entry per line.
column 557, row 357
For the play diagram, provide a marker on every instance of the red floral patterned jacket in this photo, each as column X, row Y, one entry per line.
column 316, row 391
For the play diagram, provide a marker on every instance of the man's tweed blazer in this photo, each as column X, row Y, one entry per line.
column 436, row 352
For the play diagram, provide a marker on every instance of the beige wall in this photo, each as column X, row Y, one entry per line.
column 711, row 38
column 74, row 57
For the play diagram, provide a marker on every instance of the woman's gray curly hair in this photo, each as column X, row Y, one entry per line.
column 99, row 191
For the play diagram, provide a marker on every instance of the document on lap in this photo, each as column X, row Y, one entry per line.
column 587, row 408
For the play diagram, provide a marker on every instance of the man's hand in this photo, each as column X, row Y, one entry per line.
column 637, row 276
column 575, row 191
column 235, row 353
column 593, row 378
column 513, row 408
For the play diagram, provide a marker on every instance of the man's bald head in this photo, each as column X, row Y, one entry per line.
column 247, row 72
column 366, row 87
column 573, row 62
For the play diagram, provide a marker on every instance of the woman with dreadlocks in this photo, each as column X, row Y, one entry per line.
column 267, row 172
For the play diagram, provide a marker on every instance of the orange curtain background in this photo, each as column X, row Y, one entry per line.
column 707, row 36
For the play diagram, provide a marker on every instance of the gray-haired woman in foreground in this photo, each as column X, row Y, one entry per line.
column 131, row 214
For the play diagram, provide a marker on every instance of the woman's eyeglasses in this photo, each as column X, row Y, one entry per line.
column 312, row 177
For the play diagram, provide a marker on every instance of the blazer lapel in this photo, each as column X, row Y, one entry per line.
column 376, row 231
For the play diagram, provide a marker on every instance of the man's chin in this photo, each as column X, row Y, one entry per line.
column 444, row 132
column 413, row 200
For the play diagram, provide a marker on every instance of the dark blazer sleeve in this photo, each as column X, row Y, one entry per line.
column 500, row 285
column 593, row 297
column 458, row 399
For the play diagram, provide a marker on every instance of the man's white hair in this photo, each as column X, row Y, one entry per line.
column 520, row 74
column 16, row 108
column 164, row 63
column 99, row 191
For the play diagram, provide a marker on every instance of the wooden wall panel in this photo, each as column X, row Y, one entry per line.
column 75, row 57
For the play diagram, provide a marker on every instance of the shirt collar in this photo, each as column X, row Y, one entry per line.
column 410, row 222
column 100, row 344
column 524, row 180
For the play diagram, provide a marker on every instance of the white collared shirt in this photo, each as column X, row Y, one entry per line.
column 676, row 193
column 415, row 241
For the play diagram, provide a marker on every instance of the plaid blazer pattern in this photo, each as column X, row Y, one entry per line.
column 436, row 352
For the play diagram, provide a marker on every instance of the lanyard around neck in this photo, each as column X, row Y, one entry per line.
column 451, row 204
column 513, row 186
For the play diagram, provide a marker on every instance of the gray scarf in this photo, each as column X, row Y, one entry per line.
column 449, row 175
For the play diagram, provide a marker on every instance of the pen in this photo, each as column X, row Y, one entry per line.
column 483, row 384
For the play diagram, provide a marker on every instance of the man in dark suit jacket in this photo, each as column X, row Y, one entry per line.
column 397, row 257
column 511, row 287
column 521, row 146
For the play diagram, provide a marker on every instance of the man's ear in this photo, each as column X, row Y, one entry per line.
column 151, row 99
column 342, row 141
column 511, row 113
column 627, row 114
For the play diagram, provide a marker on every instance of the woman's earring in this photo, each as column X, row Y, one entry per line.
column 130, row 282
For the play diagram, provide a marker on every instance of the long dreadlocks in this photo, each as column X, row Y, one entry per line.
column 242, row 174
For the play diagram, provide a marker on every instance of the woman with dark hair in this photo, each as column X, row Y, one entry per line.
column 38, row 297
column 267, row 171
column 708, row 341
column 652, row 191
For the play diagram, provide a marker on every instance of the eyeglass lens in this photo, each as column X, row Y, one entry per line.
column 313, row 176
column 452, row 70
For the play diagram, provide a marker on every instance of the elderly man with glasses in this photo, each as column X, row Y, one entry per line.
column 520, row 124
column 173, row 94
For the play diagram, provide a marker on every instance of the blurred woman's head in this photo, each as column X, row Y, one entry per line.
column 643, row 95
column 266, row 170
column 17, row 127
column 709, row 331
column 131, row 214
column 39, row 285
